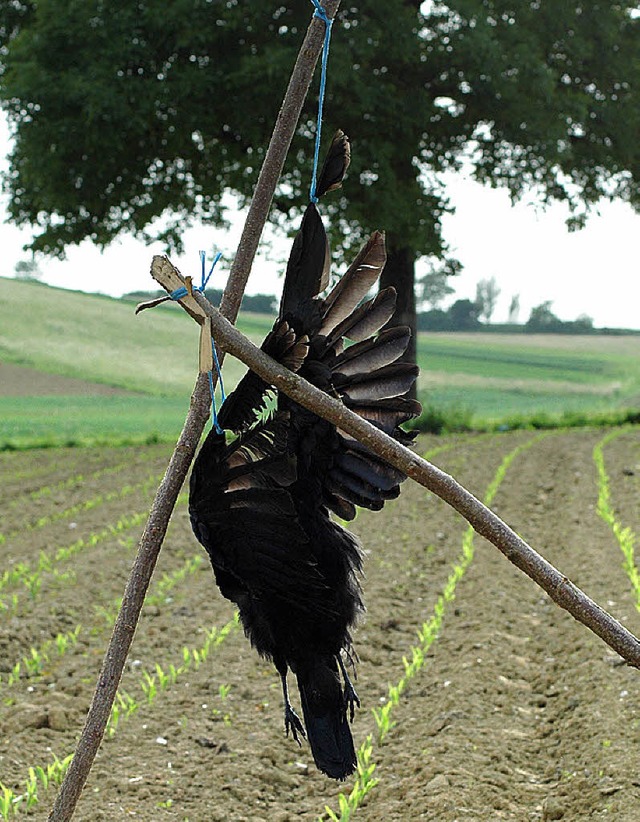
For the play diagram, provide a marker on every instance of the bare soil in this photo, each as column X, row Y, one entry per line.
column 21, row 381
column 518, row 713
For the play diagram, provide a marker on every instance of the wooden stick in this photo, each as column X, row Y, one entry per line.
column 167, row 493
column 484, row 521
column 278, row 150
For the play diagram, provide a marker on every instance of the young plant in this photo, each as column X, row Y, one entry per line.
column 624, row 535
column 9, row 801
column 365, row 782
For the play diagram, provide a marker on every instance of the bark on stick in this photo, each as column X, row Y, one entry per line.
column 484, row 521
column 166, row 496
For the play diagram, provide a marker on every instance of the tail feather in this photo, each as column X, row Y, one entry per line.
column 307, row 268
column 325, row 718
column 309, row 262
column 335, row 165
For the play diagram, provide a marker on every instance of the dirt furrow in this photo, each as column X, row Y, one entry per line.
column 523, row 714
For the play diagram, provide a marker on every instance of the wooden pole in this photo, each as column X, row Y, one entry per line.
column 167, row 493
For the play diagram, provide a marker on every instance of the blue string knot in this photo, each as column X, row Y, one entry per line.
column 181, row 292
column 328, row 22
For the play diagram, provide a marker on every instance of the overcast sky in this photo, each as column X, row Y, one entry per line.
column 529, row 252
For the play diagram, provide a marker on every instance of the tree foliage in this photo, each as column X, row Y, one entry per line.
column 434, row 287
column 487, row 293
column 137, row 116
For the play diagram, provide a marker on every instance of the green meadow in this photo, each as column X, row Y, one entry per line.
column 493, row 378
column 479, row 380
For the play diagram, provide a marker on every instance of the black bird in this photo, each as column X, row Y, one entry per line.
column 260, row 495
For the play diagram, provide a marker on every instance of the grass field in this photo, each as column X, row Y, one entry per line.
column 151, row 361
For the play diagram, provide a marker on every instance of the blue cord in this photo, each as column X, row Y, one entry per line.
column 182, row 292
column 328, row 22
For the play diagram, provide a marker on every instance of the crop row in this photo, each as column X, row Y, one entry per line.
column 86, row 505
column 29, row 575
column 79, row 479
column 624, row 535
column 32, row 664
column 39, row 777
column 42, row 467
column 151, row 685
column 365, row 782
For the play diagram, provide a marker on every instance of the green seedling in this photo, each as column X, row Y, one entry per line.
column 34, row 662
column 164, row 679
column 624, row 535
column 365, row 782
column 148, row 685
column 31, row 793
column 168, row 581
column 8, row 801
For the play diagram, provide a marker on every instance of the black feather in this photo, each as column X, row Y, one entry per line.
column 335, row 164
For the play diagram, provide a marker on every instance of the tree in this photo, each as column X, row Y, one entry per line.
column 487, row 293
column 542, row 318
column 514, row 309
column 27, row 270
column 433, row 287
column 464, row 315
column 583, row 324
column 133, row 116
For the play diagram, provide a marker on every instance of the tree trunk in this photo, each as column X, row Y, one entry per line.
column 400, row 273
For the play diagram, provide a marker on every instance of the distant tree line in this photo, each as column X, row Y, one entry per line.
column 464, row 315
column 475, row 315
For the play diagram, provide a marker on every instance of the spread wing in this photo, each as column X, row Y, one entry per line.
column 243, row 514
column 368, row 376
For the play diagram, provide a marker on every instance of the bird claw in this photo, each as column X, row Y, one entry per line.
column 350, row 698
column 293, row 723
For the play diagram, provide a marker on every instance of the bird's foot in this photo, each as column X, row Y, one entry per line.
column 293, row 723
column 350, row 698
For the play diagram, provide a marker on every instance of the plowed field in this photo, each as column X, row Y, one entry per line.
column 506, row 708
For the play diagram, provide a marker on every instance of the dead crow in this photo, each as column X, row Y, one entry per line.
column 261, row 493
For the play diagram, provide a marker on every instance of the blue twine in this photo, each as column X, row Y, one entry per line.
column 328, row 22
column 182, row 292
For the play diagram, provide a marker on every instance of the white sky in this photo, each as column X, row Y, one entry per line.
column 530, row 253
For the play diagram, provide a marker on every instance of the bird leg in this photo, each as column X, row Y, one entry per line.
column 350, row 696
column 292, row 721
